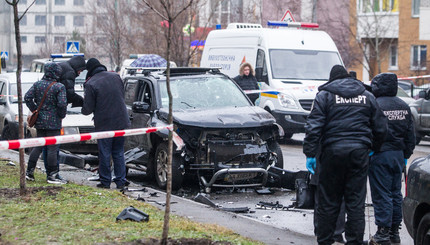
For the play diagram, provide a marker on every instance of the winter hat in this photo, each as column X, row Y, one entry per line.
column 338, row 72
column 77, row 63
column 52, row 71
column 384, row 84
column 92, row 64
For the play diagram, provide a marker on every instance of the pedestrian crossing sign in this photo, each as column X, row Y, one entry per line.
column 72, row 47
column 4, row 55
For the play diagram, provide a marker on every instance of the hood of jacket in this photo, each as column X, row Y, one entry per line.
column 52, row 72
column 384, row 84
column 345, row 87
column 77, row 63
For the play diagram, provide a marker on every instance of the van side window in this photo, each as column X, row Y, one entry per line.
column 261, row 68
column 145, row 93
column 130, row 95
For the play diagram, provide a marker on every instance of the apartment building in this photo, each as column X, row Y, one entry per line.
column 390, row 36
column 45, row 28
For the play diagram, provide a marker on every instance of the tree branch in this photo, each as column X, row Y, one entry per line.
column 19, row 19
column 156, row 11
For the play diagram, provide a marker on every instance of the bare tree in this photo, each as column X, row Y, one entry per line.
column 165, row 10
column 16, row 19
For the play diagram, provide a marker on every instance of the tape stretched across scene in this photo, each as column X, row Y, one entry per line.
column 64, row 139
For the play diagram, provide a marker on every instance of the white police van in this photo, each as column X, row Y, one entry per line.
column 290, row 64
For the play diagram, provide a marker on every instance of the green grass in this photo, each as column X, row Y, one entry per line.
column 85, row 215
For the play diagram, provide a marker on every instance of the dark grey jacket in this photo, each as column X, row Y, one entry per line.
column 344, row 112
column 104, row 96
column 401, row 133
column 70, row 72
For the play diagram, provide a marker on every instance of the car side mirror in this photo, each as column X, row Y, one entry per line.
column 141, row 107
column 259, row 75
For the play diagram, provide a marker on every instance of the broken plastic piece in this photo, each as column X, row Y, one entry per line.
column 10, row 163
column 236, row 210
column 134, row 214
column 263, row 191
column 202, row 198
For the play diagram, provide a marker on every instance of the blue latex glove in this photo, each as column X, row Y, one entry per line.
column 311, row 163
column 406, row 162
column 371, row 153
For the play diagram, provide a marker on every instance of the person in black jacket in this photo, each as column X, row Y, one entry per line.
column 104, row 97
column 71, row 70
column 347, row 123
column 386, row 165
column 247, row 81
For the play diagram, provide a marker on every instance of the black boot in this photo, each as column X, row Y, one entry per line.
column 381, row 237
column 394, row 234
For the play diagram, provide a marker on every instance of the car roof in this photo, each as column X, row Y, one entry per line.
column 158, row 73
column 26, row 77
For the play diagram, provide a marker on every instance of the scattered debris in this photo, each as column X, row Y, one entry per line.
column 139, row 198
column 10, row 163
column 271, row 205
column 266, row 216
column 133, row 214
column 94, row 178
column 133, row 190
column 203, row 198
column 153, row 194
column 264, row 191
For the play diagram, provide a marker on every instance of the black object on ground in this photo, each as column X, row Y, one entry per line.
column 202, row 198
column 134, row 214
column 283, row 178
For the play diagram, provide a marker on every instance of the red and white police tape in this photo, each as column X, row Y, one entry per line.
column 63, row 139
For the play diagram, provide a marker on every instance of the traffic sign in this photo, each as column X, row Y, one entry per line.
column 288, row 17
column 72, row 47
column 4, row 55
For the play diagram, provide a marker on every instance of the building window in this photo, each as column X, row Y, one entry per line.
column 59, row 20
column 78, row 2
column 39, row 39
column 40, row 2
column 415, row 8
column 393, row 57
column 371, row 6
column 59, row 2
column 419, row 57
column 40, row 20
column 59, row 40
column 23, row 21
column 23, row 39
column 23, row 2
column 78, row 20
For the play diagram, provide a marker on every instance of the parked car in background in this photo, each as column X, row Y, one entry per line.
column 404, row 96
column 420, row 110
column 407, row 85
column 9, row 103
column 227, row 142
column 416, row 204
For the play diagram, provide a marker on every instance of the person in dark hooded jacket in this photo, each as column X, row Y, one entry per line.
column 247, row 81
column 71, row 70
column 347, row 123
column 48, row 122
column 386, row 165
column 104, row 97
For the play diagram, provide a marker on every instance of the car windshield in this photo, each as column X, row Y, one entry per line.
column 203, row 92
column 401, row 92
column 13, row 91
column 302, row 64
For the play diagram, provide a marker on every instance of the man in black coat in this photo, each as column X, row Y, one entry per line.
column 247, row 81
column 346, row 122
column 386, row 165
column 71, row 70
column 104, row 97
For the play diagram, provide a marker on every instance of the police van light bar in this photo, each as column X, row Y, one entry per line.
column 292, row 24
column 67, row 55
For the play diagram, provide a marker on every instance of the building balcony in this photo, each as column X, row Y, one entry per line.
column 378, row 24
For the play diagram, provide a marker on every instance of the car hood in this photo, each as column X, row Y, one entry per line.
column 225, row 117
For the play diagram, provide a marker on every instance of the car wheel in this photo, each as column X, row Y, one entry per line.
column 7, row 133
column 422, row 236
column 161, row 157
column 275, row 147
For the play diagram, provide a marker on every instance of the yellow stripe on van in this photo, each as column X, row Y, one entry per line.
column 269, row 95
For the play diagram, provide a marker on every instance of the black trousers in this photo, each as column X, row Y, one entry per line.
column 343, row 175
column 51, row 167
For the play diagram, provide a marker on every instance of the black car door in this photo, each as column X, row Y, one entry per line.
column 139, row 90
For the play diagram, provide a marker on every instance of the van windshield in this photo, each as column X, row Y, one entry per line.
column 302, row 64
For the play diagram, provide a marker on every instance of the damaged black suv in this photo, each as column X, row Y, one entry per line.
column 226, row 140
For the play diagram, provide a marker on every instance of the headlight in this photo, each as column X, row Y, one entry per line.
column 287, row 101
column 69, row 130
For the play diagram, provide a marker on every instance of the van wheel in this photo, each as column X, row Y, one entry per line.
column 275, row 147
column 161, row 157
column 422, row 236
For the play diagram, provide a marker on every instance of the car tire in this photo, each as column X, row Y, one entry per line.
column 422, row 237
column 160, row 163
column 275, row 147
column 7, row 133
